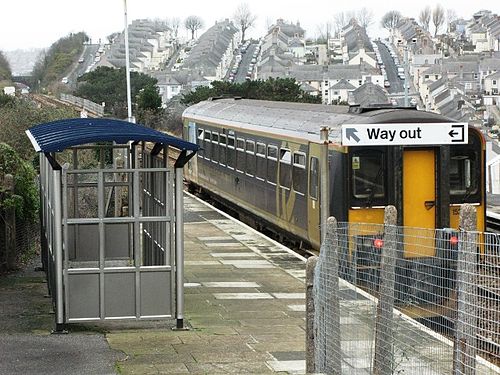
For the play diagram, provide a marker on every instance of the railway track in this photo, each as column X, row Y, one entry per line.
column 493, row 221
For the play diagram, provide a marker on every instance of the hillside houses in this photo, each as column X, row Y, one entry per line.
column 356, row 45
column 150, row 45
column 483, row 31
column 211, row 56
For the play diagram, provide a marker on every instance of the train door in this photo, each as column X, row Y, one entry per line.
column 313, row 195
column 419, row 200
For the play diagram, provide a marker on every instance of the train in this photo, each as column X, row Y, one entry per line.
column 265, row 160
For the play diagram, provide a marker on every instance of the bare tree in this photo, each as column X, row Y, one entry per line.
column 425, row 17
column 269, row 23
column 175, row 23
column 339, row 21
column 390, row 20
column 437, row 18
column 365, row 17
column 244, row 19
column 324, row 31
column 193, row 23
column 451, row 16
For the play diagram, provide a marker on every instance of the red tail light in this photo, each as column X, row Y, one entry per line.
column 453, row 240
column 378, row 243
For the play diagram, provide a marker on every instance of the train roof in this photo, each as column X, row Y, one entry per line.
column 298, row 119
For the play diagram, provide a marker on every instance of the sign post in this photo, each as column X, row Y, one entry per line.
column 404, row 134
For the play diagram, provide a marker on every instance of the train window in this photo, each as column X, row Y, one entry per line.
column 260, row 171
column 299, row 177
column 272, row 163
column 215, row 147
column 201, row 136
column 231, row 157
column 240, row 155
column 368, row 179
column 222, row 149
column 261, row 149
column 285, row 168
column 207, row 144
column 464, row 175
column 250, row 147
column 314, row 178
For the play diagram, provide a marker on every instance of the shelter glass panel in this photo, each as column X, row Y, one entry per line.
column 117, row 195
column 118, row 245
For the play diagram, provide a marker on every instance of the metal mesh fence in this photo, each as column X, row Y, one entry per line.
column 400, row 300
column 19, row 240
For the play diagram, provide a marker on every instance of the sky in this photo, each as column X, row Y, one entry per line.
column 28, row 24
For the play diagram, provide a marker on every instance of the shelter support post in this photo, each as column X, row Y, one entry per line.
column 58, row 251
column 179, row 248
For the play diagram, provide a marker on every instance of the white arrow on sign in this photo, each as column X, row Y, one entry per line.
column 405, row 134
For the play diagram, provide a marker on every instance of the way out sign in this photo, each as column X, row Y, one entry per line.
column 404, row 134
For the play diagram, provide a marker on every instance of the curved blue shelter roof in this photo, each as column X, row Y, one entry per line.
column 58, row 135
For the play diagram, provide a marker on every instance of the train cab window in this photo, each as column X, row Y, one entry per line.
column 314, row 178
column 240, row 155
column 465, row 178
column 215, row 147
column 368, row 177
column 207, row 144
column 285, row 168
column 200, row 138
column 299, row 177
column 231, row 157
column 272, row 164
column 222, row 149
column 250, row 149
column 260, row 171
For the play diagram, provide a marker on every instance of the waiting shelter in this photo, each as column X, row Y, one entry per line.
column 111, row 219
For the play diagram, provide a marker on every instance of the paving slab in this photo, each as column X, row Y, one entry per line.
column 237, row 296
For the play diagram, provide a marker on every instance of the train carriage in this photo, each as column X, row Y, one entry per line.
column 264, row 160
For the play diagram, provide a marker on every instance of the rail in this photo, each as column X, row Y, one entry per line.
column 493, row 221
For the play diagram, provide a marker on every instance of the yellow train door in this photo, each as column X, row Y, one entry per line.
column 419, row 201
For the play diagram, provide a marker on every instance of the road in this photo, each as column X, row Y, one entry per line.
column 397, row 84
column 78, row 69
column 246, row 58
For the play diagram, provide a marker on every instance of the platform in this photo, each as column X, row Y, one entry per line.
column 245, row 305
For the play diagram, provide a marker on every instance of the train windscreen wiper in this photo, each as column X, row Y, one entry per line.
column 370, row 197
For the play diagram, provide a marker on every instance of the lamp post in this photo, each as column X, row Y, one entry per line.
column 127, row 67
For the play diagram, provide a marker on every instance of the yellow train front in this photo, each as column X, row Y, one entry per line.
column 263, row 160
